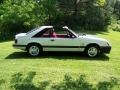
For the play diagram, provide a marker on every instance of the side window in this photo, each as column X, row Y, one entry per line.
column 61, row 32
column 44, row 33
column 64, row 34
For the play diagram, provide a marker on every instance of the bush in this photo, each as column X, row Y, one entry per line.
column 19, row 82
column 115, row 25
column 82, row 84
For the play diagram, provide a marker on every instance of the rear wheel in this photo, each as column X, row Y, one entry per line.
column 92, row 51
column 34, row 50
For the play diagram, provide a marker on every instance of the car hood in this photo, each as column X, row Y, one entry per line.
column 20, row 35
column 93, row 37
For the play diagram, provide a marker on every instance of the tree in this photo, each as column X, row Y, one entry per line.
column 117, row 8
column 22, row 15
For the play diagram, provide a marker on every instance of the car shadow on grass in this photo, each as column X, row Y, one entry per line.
column 58, row 56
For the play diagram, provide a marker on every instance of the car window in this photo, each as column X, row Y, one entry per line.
column 61, row 33
column 44, row 33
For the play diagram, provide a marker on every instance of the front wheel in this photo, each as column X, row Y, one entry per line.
column 33, row 50
column 92, row 51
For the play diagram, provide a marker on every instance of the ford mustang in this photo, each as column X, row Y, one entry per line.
column 45, row 38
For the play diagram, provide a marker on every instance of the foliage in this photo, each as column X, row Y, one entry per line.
column 82, row 84
column 22, row 15
column 19, row 83
column 101, row 2
column 115, row 25
column 117, row 8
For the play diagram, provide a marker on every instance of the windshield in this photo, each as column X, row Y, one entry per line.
column 32, row 30
column 73, row 32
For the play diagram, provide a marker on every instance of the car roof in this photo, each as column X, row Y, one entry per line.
column 43, row 27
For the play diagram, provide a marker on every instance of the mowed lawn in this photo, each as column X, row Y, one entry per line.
column 53, row 66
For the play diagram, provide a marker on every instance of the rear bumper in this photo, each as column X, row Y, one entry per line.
column 22, row 47
column 105, row 49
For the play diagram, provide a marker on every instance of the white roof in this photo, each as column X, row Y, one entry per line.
column 42, row 27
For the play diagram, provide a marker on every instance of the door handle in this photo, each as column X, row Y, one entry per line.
column 52, row 40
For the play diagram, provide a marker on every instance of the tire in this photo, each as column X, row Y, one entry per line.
column 34, row 50
column 92, row 51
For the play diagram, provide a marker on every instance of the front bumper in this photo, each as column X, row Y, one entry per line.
column 105, row 49
column 22, row 47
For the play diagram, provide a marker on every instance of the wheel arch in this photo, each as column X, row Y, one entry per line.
column 34, row 43
column 92, row 44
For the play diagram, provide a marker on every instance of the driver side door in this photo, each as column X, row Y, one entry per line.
column 66, row 43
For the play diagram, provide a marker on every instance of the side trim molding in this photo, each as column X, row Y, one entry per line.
column 14, row 45
column 63, row 46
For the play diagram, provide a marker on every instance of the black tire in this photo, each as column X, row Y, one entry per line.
column 92, row 51
column 34, row 50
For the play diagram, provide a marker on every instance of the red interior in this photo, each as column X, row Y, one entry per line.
column 61, row 35
column 56, row 35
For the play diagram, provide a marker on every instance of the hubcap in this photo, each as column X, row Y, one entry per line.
column 34, row 50
column 92, row 51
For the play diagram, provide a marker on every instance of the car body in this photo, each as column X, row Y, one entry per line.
column 45, row 38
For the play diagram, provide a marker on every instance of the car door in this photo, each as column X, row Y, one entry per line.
column 43, row 38
column 58, row 43
column 63, row 44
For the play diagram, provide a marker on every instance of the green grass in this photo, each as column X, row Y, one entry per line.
column 54, row 67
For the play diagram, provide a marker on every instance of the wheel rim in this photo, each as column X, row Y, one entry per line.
column 34, row 50
column 92, row 51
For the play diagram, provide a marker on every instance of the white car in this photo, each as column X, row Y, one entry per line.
column 45, row 38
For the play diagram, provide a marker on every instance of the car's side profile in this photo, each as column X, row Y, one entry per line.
column 45, row 38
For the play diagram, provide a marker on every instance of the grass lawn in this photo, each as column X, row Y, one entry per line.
column 53, row 67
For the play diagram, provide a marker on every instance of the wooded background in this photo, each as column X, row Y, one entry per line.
column 22, row 15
